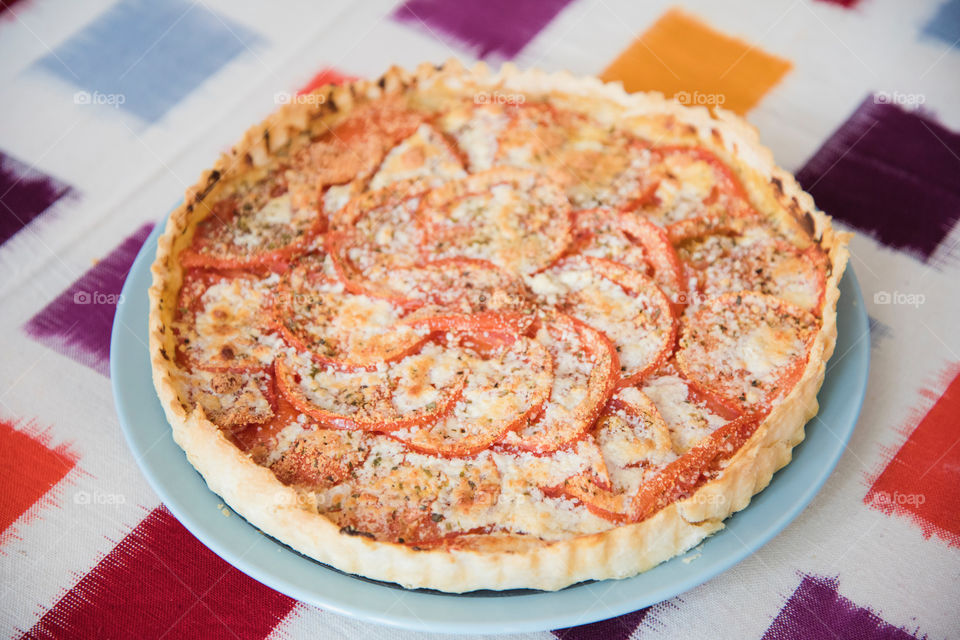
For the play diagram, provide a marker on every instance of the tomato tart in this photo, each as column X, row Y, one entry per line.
column 449, row 341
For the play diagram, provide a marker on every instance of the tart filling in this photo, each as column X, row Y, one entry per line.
column 449, row 328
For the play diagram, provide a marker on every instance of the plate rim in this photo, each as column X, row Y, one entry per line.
column 212, row 536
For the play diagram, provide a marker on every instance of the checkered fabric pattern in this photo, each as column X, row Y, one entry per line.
column 111, row 108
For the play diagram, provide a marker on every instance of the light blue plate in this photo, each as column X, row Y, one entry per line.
column 186, row 495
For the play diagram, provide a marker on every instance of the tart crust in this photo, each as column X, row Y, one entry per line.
column 502, row 561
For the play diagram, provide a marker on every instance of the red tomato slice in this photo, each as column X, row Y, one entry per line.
column 696, row 228
column 409, row 502
column 635, row 444
column 256, row 235
column 690, row 414
column 337, row 245
column 586, row 370
column 222, row 322
column 426, row 154
column 695, row 468
column 258, row 439
column 352, row 150
column 661, row 256
column 605, row 503
column 491, row 323
column 461, row 285
column 195, row 284
column 235, row 401
column 756, row 261
column 321, row 458
column 624, row 304
column 694, row 183
column 466, row 285
column 514, row 218
column 338, row 328
column 375, row 235
column 401, row 397
column 502, row 394
column 367, row 214
column 596, row 165
column 633, row 241
column 632, row 435
column 746, row 349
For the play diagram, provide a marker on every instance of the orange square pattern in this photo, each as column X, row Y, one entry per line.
column 679, row 54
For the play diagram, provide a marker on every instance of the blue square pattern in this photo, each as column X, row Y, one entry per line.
column 152, row 53
column 945, row 24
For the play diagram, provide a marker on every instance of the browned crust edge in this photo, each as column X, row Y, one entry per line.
column 255, row 493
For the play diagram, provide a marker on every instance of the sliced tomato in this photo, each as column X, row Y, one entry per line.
column 364, row 514
column 514, row 218
column 715, row 404
column 222, row 322
column 379, row 212
column 632, row 434
column 235, row 401
column 535, row 132
column 321, row 458
column 466, row 285
column 404, row 396
column 635, row 444
column 746, row 349
column 195, row 283
column 462, row 285
column 586, row 370
column 628, row 238
column 426, row 154
column 503, row 393
column 493, row 323
column 259, row 438
column 590, row 484
column 340, row 329
column 660, row 255
column 375, row 235
column 690, row 415
column 756, row 261
column 253, row 234
column 603, row 502
column 352, row 150
column 624, row 304
column 679, row 479
column 418, row 500
column 600, row 233
column 595, row 164
column 698, row 228
column 339, row 246
column 693, row 183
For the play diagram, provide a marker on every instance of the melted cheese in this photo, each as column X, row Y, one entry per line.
column 757, row 260
column 498, row 392
column 688, row 422
column 228, row 400
column 519, row 226
column 422, row 155
column 476, row 132
column 276, row 223
column 285, row 439
column 414, row 383
column 744, row 349
column 229, row 327
column 627, row 319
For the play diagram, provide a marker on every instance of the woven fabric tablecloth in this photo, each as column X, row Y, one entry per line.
column 110, row 109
